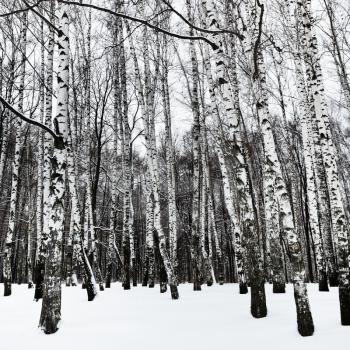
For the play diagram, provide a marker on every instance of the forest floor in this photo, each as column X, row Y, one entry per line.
column 218, row 318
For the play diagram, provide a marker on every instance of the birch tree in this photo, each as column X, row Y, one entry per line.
column 7, row 270
column 51, row 307
column 314, row 74
column 42, row 243
column 272, row 171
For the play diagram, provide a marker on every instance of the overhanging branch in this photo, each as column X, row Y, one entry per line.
column 125, row 16
column 138, row 20
column 27, row 120
column 204, row 30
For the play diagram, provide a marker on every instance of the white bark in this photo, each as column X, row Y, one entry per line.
column 51, row 307
column 339, row 224
column 7, row 269
column 272, row 166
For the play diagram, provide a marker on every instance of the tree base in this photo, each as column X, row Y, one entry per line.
column 108, row 281
column 39, row 288
column 174, row 292
column 344, row 300
column 278, row 287
column 7, row 289
column 50, row 329
column 50, row 324
column 304, row 317
column 38, row 294
column 145, row 279
column 91, row 292
column 102, row 288
column 197, row 278
column 30, row 285
column 333, row 279
column 221, row 278
column 197, row 286
column 39, row 280
column 163, row 287
column 243, row 289
column 258, row 307
column 74, row 279
column 210, row 283
column 109, row 275
column 151, row 285
column 50, row 316
column 305, row 324
column 323, row 283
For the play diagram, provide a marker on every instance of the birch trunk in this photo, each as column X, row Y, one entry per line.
column 152, row 161
column 153, row 165
column 204, row 222
column 116, row 115
column 228, row 107
column 51, row 306
column 317, row 224
column 4, row 144
column 272, row 166
column 39, row 194
column 42, row 251
column 337, row 54
column 322, row 120
column 147, row 110
column 128, row 247
column 213, row 230
column 10, row 234
column 170, row 162
column 149, row 259
column 321, row 162
column 195, row 235
column 79, row 257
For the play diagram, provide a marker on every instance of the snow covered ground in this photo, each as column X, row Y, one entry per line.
column 142, row 318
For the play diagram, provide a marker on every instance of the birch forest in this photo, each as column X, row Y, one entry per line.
column 189, row 146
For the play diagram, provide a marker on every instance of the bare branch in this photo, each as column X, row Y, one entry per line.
column 29, row 121
column 204, row 30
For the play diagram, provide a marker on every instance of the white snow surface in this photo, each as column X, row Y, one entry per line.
column 215, row 318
